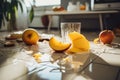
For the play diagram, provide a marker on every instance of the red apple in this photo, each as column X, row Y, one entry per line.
column 106, row 36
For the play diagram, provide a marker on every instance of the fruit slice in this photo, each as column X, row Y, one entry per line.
column 75, row 35
column 96, row 40
column 30, row 36
column 79, row 43
column 58, row 45
column 73, row 49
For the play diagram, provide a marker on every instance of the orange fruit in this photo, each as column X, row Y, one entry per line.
column 30, row 36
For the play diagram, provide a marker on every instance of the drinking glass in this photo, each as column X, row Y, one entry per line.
column 67, row 27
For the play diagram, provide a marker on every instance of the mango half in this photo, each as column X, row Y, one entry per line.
column 57, row 45
column 79, row 43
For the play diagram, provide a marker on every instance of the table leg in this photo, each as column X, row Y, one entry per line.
column 101, row 22
column 50, row 22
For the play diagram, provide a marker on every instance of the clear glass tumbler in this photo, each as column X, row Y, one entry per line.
column 67, row 27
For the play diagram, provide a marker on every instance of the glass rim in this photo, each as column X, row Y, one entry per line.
column 71, row 22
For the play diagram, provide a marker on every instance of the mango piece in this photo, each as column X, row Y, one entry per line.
column 58, row 45
column 79, row 42
column 73, row 49
column 75, row 35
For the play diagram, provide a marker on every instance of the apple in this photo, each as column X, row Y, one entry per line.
column 106, row 36
column 30, row 36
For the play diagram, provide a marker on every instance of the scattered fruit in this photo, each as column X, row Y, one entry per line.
column 96, row 40
column 30, row 36
column 106, row 36
column 58, row 46
column 79, row 43
column 37, row 56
